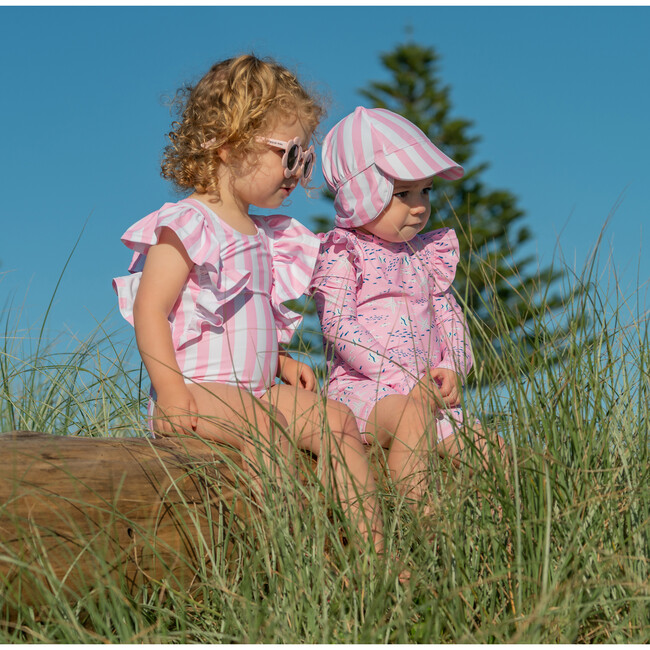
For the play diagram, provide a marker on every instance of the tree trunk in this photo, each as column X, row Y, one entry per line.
column 77, row 514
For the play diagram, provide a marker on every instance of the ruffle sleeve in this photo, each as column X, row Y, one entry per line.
column 338, row 254
column 294, row 251
column 197, row 233
column 441, row 255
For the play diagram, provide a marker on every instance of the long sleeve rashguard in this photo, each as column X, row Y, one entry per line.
column 386, row 309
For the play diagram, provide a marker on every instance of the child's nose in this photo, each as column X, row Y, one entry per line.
column 420, row 205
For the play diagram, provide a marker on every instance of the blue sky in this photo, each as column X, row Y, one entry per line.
column 560, row 97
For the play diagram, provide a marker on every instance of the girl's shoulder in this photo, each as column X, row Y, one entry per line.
column 339, row 239
column 198, row 231
column 340, row 243
column 283, row 230
column 442, row 238
column 290, row 242
column 172, row 215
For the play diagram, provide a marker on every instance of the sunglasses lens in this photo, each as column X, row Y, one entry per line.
column 293, row 156
column 309, row 166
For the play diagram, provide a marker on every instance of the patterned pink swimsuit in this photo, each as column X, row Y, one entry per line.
column 387, row 316
column 229, row 320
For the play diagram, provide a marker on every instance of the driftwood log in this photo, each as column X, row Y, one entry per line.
column 78, row 513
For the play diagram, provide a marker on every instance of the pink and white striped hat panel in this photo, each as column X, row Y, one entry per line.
column 369, row 148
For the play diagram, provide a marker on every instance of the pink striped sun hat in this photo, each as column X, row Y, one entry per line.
column 366, row 151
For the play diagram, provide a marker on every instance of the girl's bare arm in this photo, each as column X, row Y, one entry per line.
column 165, row 272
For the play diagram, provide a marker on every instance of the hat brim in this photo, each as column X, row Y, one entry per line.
column 417, row 161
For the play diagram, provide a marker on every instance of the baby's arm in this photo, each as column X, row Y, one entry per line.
column 335, row 294
column 438, row 387
column 454, row 335
column 166, row 268
column 446, row 379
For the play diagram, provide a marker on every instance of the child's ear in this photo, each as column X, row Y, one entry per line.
column 224, row 153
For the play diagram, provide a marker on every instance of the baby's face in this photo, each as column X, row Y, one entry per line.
column 406, row 214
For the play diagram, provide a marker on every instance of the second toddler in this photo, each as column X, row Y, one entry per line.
column 396, row 339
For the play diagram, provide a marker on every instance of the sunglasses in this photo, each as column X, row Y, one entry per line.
column 294, row 156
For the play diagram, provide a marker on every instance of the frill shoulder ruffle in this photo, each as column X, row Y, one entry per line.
column 294, row 250
column 198, row 235
column 440, row 254
column 337, row 244
column 203, row 238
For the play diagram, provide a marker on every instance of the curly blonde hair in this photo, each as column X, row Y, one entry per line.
column 237, row 100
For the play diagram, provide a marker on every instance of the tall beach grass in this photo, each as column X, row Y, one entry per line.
column 552, row 548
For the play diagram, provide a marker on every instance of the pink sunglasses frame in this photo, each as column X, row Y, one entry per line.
column 302, row 159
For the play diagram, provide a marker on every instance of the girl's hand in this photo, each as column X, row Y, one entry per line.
column 448, row 385
column 175, row 411
column 296, row 373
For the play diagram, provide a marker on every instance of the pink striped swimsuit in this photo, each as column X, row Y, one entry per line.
column 388, row 315
column 229, row 320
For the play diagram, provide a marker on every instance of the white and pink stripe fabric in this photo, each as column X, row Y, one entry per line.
column 366, row 151
column 229, row 319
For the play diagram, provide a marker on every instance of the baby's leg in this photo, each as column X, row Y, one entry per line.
column 328, row 427
column 401, row 425
column 473, row 442
column 411, row 432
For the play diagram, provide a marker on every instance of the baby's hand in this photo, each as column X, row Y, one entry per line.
column 427, row 393
column 448, row 385
column 296, row 373
column 175, row 411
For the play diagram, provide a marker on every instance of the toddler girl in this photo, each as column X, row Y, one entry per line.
column 396, row 339
column 209, row 279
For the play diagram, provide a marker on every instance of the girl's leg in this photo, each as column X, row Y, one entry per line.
column 231, row 416
column 328, row 427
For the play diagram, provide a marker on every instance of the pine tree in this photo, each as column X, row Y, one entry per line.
column 492, row 279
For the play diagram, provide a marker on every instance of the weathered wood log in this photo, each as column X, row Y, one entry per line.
column 78, row 513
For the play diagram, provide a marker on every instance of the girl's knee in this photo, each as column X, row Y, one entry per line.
column 340, row 418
